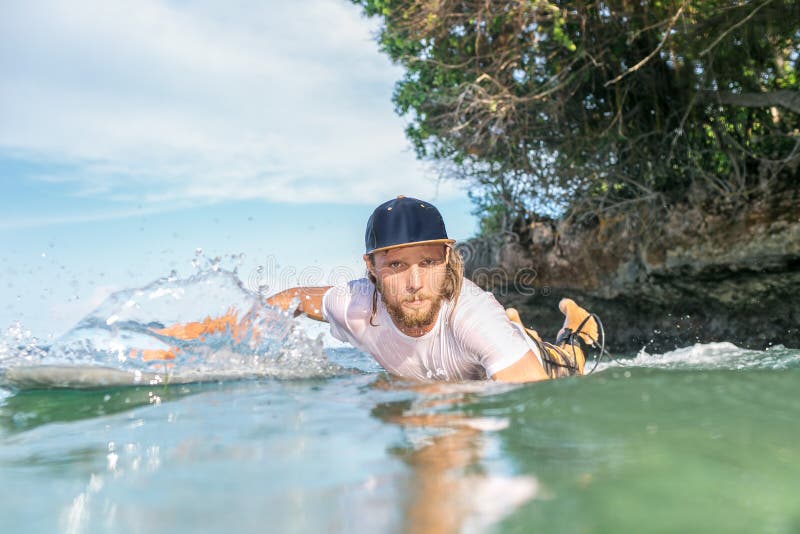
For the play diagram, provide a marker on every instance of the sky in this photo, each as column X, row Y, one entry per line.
column 135, row 134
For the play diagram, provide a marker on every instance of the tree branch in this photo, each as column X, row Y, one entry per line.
column 729, row 30
column 652, row 54
column 784, row 98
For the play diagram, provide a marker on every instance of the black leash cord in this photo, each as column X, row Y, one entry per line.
column 602, row 344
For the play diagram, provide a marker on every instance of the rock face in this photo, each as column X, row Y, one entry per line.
column 725, row 276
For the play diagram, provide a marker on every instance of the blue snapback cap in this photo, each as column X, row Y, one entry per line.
column 404, row 221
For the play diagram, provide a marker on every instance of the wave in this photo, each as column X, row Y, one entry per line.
column 721, row 355
column 207, row 325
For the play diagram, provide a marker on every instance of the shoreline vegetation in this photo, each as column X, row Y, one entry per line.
column 641, row 156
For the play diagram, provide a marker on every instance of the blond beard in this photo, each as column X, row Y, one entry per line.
column 416, row 319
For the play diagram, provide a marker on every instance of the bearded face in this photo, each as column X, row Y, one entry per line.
column 411, row 281
column 417, row 311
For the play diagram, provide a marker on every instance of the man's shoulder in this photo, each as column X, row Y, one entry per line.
column 349, row 295
column 474, row 304
column 482, row 327
column 473, row 294
column 352, row 287
column 478, row 309
column 360, row 286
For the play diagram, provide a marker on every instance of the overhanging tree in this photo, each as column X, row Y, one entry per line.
column 584, row 107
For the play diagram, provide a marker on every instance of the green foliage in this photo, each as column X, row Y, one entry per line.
column 607, row 104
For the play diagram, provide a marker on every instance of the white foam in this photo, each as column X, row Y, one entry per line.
column 720, row 355
column 19, row 347
column 697, row 354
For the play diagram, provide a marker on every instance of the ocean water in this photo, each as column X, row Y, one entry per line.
column 292, row 433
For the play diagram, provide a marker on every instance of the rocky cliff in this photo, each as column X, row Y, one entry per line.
column 696, row 276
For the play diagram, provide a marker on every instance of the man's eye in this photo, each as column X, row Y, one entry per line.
column 395, row 264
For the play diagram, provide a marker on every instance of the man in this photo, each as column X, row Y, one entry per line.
column 418, row 316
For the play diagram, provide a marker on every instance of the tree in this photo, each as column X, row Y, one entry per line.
column 586, row 107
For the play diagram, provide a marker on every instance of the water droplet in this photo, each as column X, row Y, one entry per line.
column 111, row 461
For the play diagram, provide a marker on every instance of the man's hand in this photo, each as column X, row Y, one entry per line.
column 309, row 300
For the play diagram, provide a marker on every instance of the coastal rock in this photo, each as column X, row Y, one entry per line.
column 700, row 276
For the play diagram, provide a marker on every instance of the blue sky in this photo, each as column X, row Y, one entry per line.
column 134, row 133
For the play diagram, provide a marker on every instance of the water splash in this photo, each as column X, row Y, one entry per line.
column 206, row 325
column 18, row 345
column 721, row 355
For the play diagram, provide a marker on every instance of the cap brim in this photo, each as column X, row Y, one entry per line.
column 415, row 243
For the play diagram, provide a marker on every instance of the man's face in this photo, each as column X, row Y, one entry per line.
column 411, row 281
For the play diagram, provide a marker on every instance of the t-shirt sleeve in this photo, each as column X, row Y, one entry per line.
column 347, row 309
column 335, row 302
column 487, row 333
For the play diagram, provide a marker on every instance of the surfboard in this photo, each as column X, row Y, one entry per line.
column 95, row 377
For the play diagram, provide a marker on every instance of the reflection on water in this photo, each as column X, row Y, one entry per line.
column 342, row 454
column 449, row 487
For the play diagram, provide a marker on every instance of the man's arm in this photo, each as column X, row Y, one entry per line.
column 526, row 369
column 309, row 300
column 310, row 303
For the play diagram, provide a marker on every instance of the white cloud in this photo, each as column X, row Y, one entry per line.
column 156, row 102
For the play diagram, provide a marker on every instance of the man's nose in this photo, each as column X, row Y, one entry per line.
column 413, row 280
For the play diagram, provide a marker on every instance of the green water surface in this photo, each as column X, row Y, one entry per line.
column 628, row 449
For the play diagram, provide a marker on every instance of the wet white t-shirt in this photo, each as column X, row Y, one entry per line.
column 478, row 342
